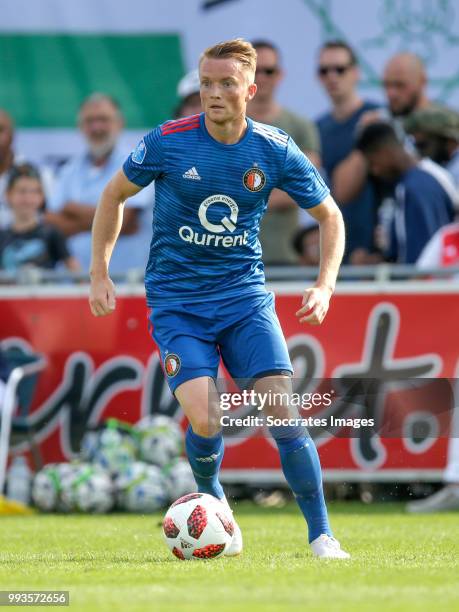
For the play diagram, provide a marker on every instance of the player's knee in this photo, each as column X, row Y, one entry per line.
column 200, row 402
column 205, row 425
column 276, row 393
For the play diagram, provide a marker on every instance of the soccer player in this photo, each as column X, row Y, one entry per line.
column 204, row 281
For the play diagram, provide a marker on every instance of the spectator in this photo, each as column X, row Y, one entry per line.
column 9, row 159
column 345, row 167
column 188, row 90
column 442, row 250
column 425, row 196
column 405, row 83
column 405, row 86
column 306, row 244
column 29, row 241
column 281, row 219
column 436, row 135
column 80, row 184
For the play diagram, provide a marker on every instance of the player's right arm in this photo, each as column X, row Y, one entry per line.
column 105, row 231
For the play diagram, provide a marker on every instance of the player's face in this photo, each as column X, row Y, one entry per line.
column 25, row 196
column 225, row 89
column 268, row 73
column 337, row 74
column 101, row 124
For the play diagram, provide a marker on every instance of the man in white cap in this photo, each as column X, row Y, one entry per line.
column 188, row 92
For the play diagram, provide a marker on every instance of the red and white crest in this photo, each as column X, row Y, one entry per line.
column 172, row 364
column 254, row 179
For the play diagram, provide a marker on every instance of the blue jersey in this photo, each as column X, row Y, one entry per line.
column 210, row 198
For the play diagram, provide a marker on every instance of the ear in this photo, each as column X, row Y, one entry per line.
column 251, row 91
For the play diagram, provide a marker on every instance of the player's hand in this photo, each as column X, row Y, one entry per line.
column 102, row 296
column 316, row 301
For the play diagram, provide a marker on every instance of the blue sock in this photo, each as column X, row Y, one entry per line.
column 301, row 467
column 205, row 456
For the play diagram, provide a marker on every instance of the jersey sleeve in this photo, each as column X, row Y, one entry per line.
column 301, row 180
column 146, row 162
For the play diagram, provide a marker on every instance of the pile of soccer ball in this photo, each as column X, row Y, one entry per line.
column 132, row 468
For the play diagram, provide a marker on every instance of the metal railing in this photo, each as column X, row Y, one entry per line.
column 377, row 273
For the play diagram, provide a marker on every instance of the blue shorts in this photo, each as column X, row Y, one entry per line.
column 244, row 331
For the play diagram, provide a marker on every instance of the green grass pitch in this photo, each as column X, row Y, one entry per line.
column 119, row 562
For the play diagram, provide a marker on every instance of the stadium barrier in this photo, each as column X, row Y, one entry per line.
column 382, row 331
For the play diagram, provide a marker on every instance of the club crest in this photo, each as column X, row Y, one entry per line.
column 254, row 179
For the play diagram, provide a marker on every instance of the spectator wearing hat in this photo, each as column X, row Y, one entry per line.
column 436, row 135
column 190, row 99
column 281, row 220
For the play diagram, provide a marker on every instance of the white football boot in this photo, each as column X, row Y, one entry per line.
column 444, row 499
column 235, row 548
column 326, row 547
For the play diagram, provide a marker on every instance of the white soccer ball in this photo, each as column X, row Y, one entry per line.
column 88, row 489
column 198, row 526
column 89, row 445
column 180, row 479
column 114, row 452
column 141, row 488
column 48, row 485
column 161, row 439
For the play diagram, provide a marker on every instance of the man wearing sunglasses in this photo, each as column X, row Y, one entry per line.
column 280, row 222
column 338, row 73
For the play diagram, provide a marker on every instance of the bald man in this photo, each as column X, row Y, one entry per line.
column 405, row 83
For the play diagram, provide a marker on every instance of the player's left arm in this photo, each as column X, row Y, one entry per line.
column 316, row 299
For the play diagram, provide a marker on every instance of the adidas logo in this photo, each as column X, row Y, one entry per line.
column 192, row 174
column 208, row 459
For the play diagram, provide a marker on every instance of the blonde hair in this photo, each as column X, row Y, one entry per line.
column 238, row 49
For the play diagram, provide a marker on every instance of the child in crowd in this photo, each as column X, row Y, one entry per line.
column 28, row 241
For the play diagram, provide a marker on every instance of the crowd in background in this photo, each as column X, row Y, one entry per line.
column 393, row 169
